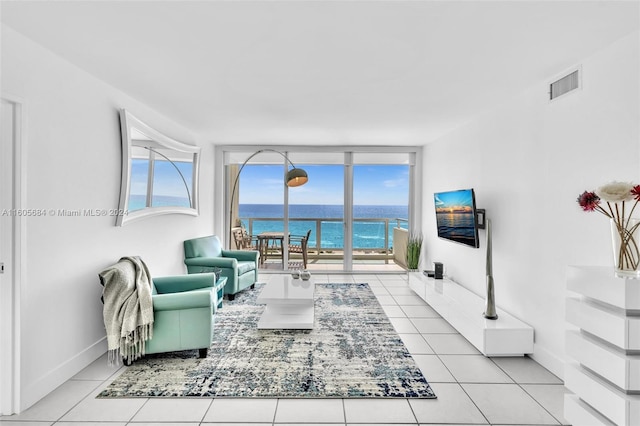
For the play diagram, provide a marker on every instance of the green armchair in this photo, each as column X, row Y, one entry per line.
column 240, row 267
column 183, row 310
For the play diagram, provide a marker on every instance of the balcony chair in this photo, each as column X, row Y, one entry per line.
column 243, row 240
column 299, row 244
column 239, row 266
column 183, row 308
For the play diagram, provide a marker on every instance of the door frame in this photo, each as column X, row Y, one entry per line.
column 13, row 250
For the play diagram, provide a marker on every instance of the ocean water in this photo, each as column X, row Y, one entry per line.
column 366, row 235
column 137, row 202
column 458, row 227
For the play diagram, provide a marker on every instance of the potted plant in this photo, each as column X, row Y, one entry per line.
column 414, row 247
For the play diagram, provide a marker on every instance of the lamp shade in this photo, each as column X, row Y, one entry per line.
column 296, row 177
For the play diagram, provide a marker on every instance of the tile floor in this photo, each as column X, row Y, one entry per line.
column 471, row 388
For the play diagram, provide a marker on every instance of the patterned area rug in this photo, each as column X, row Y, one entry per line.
column 353, row 351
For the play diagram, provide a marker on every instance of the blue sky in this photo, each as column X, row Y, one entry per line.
column 373, row 185
column 453, row 199
column 167, row 181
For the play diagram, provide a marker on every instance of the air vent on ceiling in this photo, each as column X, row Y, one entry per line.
column 564, row 85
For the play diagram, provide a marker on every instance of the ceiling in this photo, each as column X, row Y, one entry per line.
column 322, row 72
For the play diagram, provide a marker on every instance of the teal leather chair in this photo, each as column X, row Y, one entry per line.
column 204, row 254
column 183, row 312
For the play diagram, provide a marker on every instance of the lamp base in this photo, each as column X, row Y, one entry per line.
column 490, row 302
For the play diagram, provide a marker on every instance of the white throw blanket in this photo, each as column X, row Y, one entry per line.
column 128, row 308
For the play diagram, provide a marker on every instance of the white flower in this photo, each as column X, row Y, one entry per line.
column 615, row 191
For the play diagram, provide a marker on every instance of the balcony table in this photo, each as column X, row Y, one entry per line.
column 264, row 239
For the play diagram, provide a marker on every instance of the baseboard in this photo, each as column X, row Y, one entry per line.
column 548, row 360
column 34, row 392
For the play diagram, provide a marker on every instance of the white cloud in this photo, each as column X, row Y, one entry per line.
column 394, row 183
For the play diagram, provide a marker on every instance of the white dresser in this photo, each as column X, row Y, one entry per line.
column 602, row 347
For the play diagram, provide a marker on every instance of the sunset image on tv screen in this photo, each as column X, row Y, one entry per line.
column 455, row 216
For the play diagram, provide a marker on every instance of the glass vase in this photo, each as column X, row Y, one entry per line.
column 626, row 247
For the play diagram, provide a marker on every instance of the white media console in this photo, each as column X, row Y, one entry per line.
column 506, row 336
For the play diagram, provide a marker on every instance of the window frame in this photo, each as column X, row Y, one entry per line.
column 230, row 154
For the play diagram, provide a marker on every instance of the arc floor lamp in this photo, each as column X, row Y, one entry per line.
column 294, row 177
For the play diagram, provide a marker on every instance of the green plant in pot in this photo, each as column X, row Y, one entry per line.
column 414, row 247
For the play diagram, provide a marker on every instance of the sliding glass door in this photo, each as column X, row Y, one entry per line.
column 348, row 212
column 380, row 204
column 260, row 198
column 317, row 210
column 259, row 221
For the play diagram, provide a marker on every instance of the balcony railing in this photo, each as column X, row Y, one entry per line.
column 371, row 236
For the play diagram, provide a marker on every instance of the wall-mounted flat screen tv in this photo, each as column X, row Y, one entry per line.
column 456, row 216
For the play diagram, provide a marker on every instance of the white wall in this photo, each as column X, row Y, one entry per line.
column 528, row 160
column 72, row 156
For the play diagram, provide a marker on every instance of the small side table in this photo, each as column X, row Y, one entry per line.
column 219, row 289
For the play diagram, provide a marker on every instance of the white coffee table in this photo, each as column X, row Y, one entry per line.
column 289, row 303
